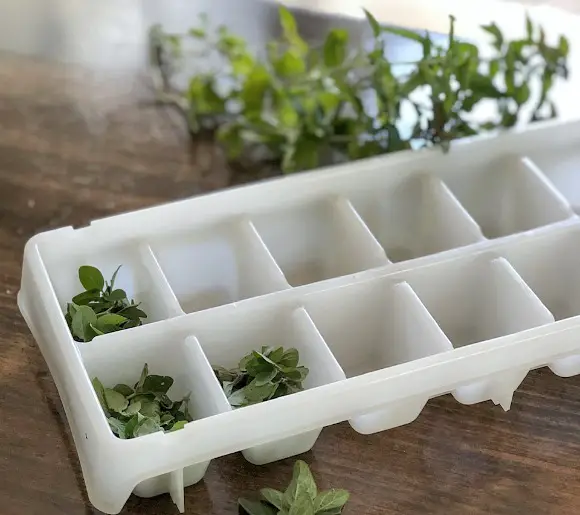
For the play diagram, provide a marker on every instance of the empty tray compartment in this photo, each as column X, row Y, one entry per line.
column 218, row 265
column 550, row 266
column 560, row 164
column 374, row 325
column 319, row 241
column 226, row 342
column 509, row 195
column 118, row 359
column 478, row 299
column 137, row 275
column 416, row 216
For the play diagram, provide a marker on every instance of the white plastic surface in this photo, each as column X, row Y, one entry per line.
column 399, row 279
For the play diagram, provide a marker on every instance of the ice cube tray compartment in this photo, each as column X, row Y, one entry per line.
column 399, row 279
column 318, row 241
column 210, row 267
column 120, row 359
column 509, row 194
column 415, row 217
column 139, row 274
column 226, row 345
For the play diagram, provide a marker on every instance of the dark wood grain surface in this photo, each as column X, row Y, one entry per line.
column 80, row 142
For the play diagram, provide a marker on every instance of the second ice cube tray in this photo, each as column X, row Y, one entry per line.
column 399, row 279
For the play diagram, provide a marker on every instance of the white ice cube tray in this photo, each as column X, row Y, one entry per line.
column 399, row 279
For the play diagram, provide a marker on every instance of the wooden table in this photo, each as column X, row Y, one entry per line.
column 82, row 141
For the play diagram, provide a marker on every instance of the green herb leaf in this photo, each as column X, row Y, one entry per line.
column 144, row 374
column 157, row 384
column 373, row 23
column 91, row 278
column 302, row 484
column 331, row 500
column 115, row 401
column 335, row 47
column 124, row 389
column 290, row 358
column 110, row 319
column 265, row 377
column 131, row 426
column 86, row 297
column 303, row 505
column 274, row 497
column 494, row 30
column 405, row 33
column 133, row 408
column 100, row 391
column 178, row 425
column 256, row 507
column 81, row 323
column 290, row 30
column 146, row 427
column 118, row 427
column 117, row 295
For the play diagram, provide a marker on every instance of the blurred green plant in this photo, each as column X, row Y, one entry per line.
column 303, row 106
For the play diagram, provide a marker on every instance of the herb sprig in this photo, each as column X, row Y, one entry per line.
column 101, row 308
column 144, row 408
column 300, row 498
column 303, row 106
column 262, row 375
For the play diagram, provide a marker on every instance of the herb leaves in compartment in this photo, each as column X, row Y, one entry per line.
column 107, row 279
column 319, row 240
column 178, row 382
column 302, row 361
column 143, row 408
column 219, row 265
column 101, row 308
column 414, row 216
column 261, row 375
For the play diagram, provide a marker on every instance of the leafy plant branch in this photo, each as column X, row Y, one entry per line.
column 302, row 106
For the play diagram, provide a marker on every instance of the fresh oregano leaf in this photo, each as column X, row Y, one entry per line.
column 158, row 385
column 124, row 389
column 265, row 377
column 100, row 391
column 86, row 297
column 117, row 295
column 133, row 413
column 115, row 401
column 133, row 408
column 302, row 484
column 81, row 323
column 144, row 374
column 131, row 425
column 290, row 358
column 91, row 278
column 180, row 424
column 256, row 507
column 274, row 497
column 335, row 47
column 303, row 505
column 331, row 500
column 373, row 23
column 112, row 308
column 146, row 427
column 117, row 426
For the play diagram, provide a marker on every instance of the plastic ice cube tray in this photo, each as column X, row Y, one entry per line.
column 399, row 279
